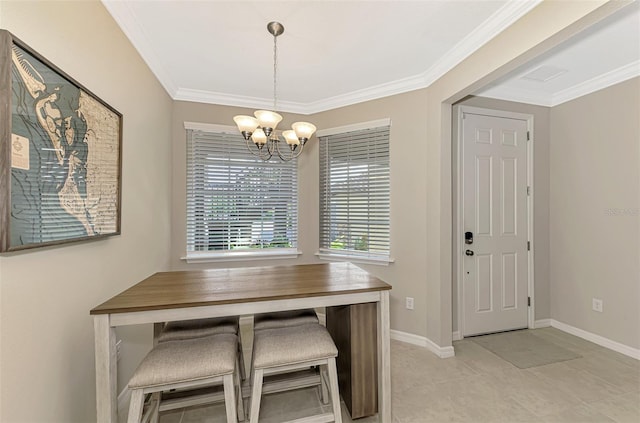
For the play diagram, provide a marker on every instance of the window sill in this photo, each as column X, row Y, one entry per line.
column 209, row 257
column 379, row 261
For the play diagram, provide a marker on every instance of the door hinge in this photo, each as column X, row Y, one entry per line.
column 528, row 190
column 528, row 301
column 528, row 136
column 528, row 245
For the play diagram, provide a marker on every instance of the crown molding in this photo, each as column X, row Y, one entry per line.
column 496, row 23
column 539, row 98
column 598, row 83
column 504, row 17
column 383, row 90
column 367, row 94
column 487, row 30
column 126, row 20
column 210, row 97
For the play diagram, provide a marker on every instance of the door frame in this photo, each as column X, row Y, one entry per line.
column 458, row 245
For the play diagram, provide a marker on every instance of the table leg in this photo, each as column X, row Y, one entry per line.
column 384, row 359
column 157, row 329
column 106, row 370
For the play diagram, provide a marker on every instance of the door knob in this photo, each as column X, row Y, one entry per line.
column 469, row 252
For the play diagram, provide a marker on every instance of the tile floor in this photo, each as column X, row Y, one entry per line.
column 478, row 386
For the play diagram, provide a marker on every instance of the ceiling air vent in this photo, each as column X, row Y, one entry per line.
column 544, row 73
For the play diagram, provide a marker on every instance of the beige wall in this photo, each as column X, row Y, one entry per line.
column 541, row 136
column 595, row 212
column 47, row 364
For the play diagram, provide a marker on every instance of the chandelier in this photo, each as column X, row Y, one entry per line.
column 261, row 129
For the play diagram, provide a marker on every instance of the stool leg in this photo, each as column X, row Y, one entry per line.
column 324, row 385
column 155, row 403
column 256, row 395
column 230, row 398
column 135, row 406
column 335, row 394
column 243, row 374
column 241, row 413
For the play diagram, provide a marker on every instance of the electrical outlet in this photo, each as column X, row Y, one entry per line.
column 409, row 303
column 118, row 349
column 597, row 305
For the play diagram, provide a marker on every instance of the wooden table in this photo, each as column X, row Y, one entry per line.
column 167, row 296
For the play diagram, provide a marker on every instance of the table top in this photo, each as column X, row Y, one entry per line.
column 194, row 288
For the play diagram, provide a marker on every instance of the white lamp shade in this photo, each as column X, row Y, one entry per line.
column 303, row 130
column 267, row 119
column 290, row 137
column 259, row 136
column 246, row 123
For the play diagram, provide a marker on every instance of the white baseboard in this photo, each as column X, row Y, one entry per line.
column 456, row 335
column 597, row 339
column 542, row 323
column 421, row 341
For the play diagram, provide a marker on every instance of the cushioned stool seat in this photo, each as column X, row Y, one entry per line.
column 197, row 328
column 185, row 329
column 188, row 363
column 292, row 348
column 284, row 319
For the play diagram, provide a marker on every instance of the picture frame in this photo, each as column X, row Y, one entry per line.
column 60, row 155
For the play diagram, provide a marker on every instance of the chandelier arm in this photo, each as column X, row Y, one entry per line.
column 280, row 153
column 272, row 146
column 292, row 155
column 259, row 153
column 300, row 148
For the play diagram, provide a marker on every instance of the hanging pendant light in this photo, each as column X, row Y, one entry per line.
column 261, row 129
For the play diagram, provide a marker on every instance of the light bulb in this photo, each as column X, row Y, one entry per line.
column 259, row 137
column 303, row 130
column 268, row 120
column 290, row 137
column 246, row 123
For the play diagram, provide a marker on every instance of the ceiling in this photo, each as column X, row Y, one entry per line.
column 604, row 54
column 333, row 53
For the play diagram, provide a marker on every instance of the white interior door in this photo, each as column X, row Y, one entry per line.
column 494, row 210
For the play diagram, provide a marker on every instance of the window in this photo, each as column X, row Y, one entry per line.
column 238, row 206
column 354, row 192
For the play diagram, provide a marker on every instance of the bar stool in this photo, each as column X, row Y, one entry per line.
column 198, row 328
column 188, row 363
column 289, row 318
column 284, row 319
column 291, row 348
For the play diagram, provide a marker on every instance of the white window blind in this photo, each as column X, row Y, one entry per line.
column 236, row 202
column 354, row 193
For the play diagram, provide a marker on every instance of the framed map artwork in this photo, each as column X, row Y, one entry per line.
column 60, row 154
